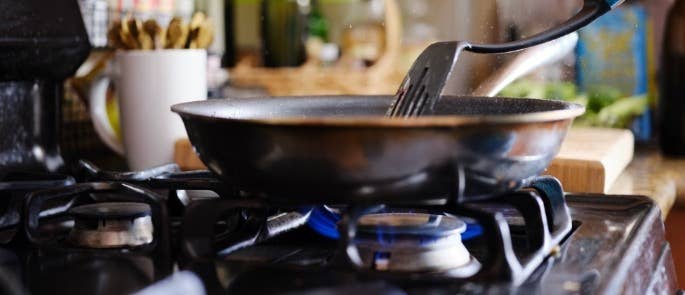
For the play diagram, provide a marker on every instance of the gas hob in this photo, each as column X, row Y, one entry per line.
column 162, row 230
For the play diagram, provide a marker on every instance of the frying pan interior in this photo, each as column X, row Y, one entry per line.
column 351, row 106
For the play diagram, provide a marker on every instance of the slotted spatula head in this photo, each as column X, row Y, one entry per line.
column 425, row 80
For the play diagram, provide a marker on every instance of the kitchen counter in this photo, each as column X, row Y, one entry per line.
column 655, row 176
column 661, row 179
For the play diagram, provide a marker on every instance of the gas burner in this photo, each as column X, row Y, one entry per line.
column 423, row 247
column 411, row 242
column 111, row 225
column 118, row 230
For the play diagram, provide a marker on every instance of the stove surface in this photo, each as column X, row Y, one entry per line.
column 616, row 246
column 118, row 233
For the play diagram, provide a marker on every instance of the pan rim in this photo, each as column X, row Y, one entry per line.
column 569, row 112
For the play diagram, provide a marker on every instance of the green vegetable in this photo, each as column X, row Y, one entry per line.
column 524, row 88
column 588, row 119
column 605, row 105
column 561, row 90
column 620, row 113
column 601, row 96
column 534, row 89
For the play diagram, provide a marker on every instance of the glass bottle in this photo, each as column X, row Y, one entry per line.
column 672, row 101
column 229, row 57
column 284, row 32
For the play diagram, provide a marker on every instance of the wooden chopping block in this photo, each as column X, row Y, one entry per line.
column 589, row 161
column 185, row 156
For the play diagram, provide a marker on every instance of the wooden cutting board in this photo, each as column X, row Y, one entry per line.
column 589, row 161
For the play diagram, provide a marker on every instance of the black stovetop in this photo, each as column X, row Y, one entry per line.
column 616, row 245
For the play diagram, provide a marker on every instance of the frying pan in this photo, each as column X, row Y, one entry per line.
column 341, row 149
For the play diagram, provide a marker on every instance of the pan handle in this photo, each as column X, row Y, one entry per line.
column 591, row 10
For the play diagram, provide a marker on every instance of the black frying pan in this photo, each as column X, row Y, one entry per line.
column 342, row 148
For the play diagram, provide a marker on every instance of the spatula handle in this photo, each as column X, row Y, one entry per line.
column 591, row 10
column 525, row 62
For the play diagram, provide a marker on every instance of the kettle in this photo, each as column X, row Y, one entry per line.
column 41, row 44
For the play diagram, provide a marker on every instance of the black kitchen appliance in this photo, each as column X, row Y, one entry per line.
column 114, row 233
column 534, row 241
column 41, row 44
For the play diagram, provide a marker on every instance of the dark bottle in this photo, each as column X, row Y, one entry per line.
column 229, row 58
column 284, row 32
column 672, row 101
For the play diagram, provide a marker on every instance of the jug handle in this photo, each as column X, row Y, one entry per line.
column 98, row 113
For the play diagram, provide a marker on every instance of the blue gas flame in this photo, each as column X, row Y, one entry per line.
column 323, row 221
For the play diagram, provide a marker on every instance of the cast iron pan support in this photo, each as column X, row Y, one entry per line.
column 79, row 194
column 501, row 263
column 167, row 177
column 17, row 189
column 89, row 172
column 543, row 203
column 552, row 194
column 197, row 244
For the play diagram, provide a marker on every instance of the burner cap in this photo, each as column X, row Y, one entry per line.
column 125, row 210
column 411, row 242
column 404, row 223
column 111, row 225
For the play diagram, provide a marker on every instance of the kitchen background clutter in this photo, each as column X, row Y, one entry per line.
column 485, row 21
column 363, row 47
column 155, row 65
column 353, row 47
column 613, row 70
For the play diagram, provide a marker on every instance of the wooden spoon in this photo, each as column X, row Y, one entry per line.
column 197, row 19
column 135, row 29
column 194, row 28
column 177, row 33
column 205, row 35
column 114, row 37
column 155, row 32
